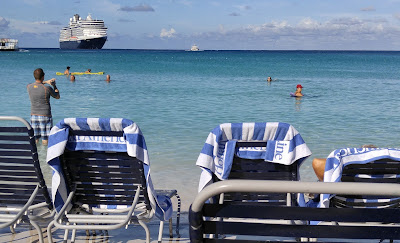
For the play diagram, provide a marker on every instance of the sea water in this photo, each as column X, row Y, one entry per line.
column 178, row 97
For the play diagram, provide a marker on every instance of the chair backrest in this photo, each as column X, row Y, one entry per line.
column 379, row 171
column 104, row 177
column 268, row 223
column 259, row 169
column 20, row 171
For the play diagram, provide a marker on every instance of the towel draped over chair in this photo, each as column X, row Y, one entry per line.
column 340, row 158
column 132, row 142
column 284, row 145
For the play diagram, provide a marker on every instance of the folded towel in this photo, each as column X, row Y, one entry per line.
column 340, row 158
column 132, row 142
column 284, row 145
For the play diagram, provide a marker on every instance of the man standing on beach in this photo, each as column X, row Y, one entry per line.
column 39, row 94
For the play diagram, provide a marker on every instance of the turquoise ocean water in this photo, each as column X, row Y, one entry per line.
column 178, row 97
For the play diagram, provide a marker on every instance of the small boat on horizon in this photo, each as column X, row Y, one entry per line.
column 194, row 48
column 8, row 44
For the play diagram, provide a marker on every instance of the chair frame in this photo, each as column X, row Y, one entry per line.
column 25, row 158
column 378, row 224
column 128, row 176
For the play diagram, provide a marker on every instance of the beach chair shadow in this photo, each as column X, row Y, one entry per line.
column 24, row 197
column 107, row 178
column 252, row 151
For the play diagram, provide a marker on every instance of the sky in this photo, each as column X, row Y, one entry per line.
column 212, row 24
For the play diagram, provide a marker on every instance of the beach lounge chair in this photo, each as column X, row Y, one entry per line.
column 263, row 222
column 371, row 165
column 255, row 151
column 24, row 197
column 101, row 177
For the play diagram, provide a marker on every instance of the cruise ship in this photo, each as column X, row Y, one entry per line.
column 83, row 33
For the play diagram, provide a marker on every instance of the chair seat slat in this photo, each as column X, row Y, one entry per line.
column 14, row 137
column 27, row 161
column 317, row 231
column 258, row 211
column 14, row 129
column 16, row 153
column 15, row 146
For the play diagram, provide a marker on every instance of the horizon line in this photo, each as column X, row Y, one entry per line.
column 147, row 49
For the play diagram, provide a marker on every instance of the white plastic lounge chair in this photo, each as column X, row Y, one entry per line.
column 22, row 187
column 101, row 177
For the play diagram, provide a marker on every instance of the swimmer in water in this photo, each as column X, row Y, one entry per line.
column 269, row 79
column 108, row 78
column 66, row 72
column 298, row 91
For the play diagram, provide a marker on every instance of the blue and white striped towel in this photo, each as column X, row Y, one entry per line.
column 132, row 142
column 340, row 158
column 284, row 145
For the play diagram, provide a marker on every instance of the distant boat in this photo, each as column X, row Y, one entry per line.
column 194, row 48
column 8, row 45
column 83, row 33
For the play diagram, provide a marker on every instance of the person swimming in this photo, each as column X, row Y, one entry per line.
column 269, row 79
column 66, row 72
column 298, row 90
column 108, row 78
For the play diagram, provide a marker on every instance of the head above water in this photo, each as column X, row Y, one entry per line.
column 299, row 86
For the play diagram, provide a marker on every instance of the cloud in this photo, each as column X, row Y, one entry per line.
column 37, row 27
column 243, row 7
column 342, row 33
column 234, row 14
column 48, row 22
column 33, row 2
column 368, row 9
column 4, row 23
column 167, row 33
column 138, row 8
column 53, row 22
column 186, row 3
column 126, row 20
column 396, row 16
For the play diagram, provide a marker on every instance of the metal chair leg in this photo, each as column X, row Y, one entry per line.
column 160, row 231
